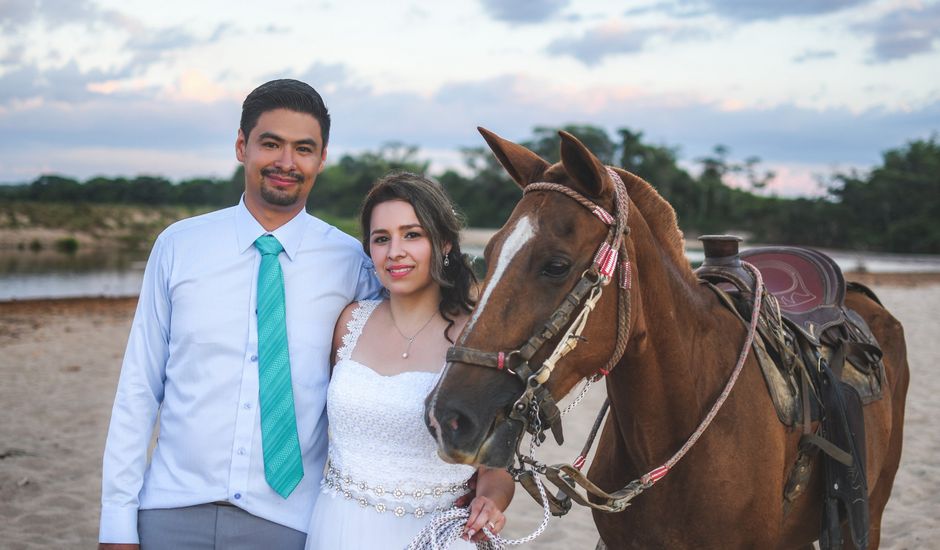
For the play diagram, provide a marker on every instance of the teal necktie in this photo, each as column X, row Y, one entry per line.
column 283, row 466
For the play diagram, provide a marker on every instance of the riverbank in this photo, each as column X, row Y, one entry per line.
column 60, row 359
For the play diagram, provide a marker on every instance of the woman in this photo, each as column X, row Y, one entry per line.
column 384, row 480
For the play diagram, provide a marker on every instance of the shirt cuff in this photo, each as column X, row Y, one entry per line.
column 118, row 525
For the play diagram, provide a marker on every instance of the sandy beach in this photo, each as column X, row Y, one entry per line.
column 59, row 364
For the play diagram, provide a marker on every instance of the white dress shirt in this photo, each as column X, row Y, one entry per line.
column 192, row 356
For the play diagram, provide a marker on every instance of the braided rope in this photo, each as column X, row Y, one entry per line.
column 581, row 199
column 447, row 526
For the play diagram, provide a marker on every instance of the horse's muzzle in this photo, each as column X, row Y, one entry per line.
column 465, row 435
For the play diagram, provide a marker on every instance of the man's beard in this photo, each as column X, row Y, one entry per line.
column 281, row 197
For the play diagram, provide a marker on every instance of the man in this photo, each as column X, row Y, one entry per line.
column 239, row 378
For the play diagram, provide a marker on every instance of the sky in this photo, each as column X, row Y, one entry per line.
column 128, row 87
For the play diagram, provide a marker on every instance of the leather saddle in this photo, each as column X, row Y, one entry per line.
column 808, row 290
column 820, row 362
column 808, row 285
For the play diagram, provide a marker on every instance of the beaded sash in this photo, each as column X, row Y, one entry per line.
column 415, row 502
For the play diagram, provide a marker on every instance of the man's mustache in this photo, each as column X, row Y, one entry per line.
column 268, row 172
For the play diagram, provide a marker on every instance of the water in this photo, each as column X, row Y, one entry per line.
column 50, row 274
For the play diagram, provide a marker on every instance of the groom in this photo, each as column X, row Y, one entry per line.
column 238, row 379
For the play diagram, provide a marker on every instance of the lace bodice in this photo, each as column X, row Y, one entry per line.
column 378, row 441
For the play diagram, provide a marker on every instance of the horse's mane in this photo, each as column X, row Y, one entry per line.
column 661, row 218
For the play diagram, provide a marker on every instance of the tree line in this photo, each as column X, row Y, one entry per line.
column 893, row 207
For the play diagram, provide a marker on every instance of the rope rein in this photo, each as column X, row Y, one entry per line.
column 658, row 473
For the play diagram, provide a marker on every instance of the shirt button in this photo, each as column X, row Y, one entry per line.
column 246, row 406
column 242, row 450
column 254, row 358
column 238, row 496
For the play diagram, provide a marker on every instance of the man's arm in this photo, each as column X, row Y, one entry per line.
column 139, row 394
column 368, row 286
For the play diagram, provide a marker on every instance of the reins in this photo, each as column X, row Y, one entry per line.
column 567, row 477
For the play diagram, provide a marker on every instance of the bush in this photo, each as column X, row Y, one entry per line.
column 68, row 245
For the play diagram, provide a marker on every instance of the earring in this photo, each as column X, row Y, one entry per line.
column 446, row 260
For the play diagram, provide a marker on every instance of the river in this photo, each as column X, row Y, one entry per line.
column 51, row 274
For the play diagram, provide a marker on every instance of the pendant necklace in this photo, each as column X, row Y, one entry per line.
column 411, row 339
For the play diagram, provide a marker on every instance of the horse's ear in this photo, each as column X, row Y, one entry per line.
column 582, row 165
column 523, row 165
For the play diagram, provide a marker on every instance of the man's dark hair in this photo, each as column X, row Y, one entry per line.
column 289, row 94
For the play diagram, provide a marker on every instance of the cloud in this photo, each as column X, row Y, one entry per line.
column 274, row 29
column 122, row 131
column 59, row 77
column 745, row 10
column 675, row 9
column 15, row 14
column 64, row 84
column 151, row 45
column 599, row 42
column 523, row 12
column 813, row 55
column 615, row 38
column 119, row 136
column 905, row 32
column 325, row 74
column 751, row 10
column 13, row 54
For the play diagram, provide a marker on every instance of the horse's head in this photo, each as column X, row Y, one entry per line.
column 542, row 273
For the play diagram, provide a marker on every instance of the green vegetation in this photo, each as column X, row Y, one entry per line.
column 126, row 226
column 67, row 245
column 894, row 207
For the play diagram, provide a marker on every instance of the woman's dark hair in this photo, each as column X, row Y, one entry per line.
column 437, row 216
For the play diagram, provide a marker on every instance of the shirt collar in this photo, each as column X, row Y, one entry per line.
column 290, row 235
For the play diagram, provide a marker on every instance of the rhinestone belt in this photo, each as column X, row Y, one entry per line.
column 346, row 486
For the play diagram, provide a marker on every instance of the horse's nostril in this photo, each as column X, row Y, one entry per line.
column 456, row 425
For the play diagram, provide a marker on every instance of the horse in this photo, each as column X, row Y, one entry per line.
column 665, row 346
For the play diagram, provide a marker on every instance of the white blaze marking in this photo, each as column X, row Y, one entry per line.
column 521, row 233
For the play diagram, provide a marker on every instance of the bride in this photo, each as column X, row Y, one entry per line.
column 384, row 480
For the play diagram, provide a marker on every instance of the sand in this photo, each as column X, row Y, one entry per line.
column 59, row 363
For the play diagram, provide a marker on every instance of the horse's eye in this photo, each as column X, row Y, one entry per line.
column 556, row 268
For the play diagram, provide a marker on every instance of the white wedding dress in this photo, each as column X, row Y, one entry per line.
column 384, row 480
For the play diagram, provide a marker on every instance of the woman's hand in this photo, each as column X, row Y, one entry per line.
column 483, row 513
column 494, row 491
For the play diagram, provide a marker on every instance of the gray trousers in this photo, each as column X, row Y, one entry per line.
column 212, row 527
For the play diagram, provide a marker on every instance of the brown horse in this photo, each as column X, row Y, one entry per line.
column 681, row 347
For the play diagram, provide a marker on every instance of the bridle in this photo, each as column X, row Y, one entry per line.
column 536, row 407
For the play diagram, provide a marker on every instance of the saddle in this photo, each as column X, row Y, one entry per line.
column 820, row 362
